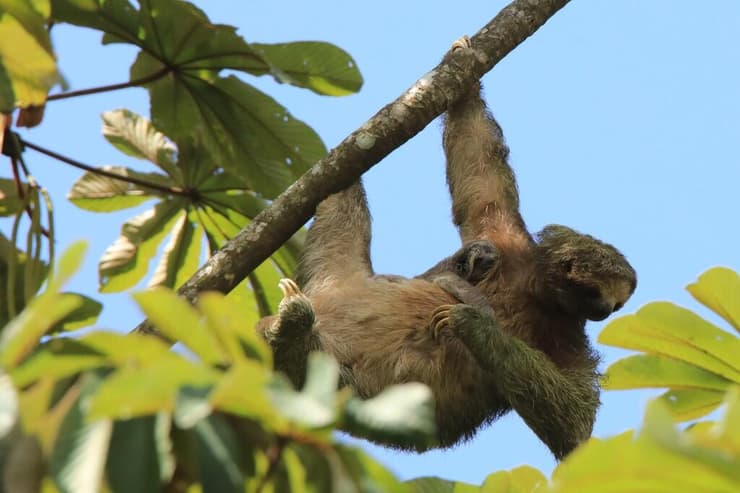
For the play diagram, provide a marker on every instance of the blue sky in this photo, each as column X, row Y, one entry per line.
column 623, row 120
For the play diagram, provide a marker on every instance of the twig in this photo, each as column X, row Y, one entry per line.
column 109, row 174
column 112, row 87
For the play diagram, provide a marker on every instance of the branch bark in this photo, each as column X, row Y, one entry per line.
column 390, row 127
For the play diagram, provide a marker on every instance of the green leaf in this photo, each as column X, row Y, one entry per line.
column 320, row 67
column 58, row 358
column 10, row 202
column 129, row 349
column 83, row 316
column 402, row 415
column 77, row 460
column 125, row 262
column 9, row 254
column 219, row 456
column 642, row 371
column 366, row 474
column 133, row 459
column 135, row 136
column 666, row 329
column 98, row 193
column 690, row 404
column 27, row 66
column 23, row 333
column 245, row 130
column 314, row 407
column 131, row 392
column 241, row 391
column 180, row 257
column 523, row 479
column 176, row 319
column 438, row 485
column 226, row 319
column 117, row 17
column 719, row 290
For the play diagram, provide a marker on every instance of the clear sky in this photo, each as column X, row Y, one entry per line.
column 623, row 120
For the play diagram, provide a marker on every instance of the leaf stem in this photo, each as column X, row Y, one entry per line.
column 112, row 87
column 98, row 171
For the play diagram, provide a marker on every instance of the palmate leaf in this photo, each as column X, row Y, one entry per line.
column 98, row 193
column 320, row 67
column 685, row 353
column 27, row 65
column 245, row 131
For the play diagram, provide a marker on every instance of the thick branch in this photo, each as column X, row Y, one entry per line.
column 385, row 131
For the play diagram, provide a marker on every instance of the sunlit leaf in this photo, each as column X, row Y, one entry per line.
column 134, row 135
column 438, row 485
column 176, row 319
column 229, row 321
column 125, row 262
column 180, row 257
column 58, row 358
column 131, row 392
column 98, row 193
column 524, row 479
column 641, row 371
column 719, row 290
column 78, row 459
column 666, row 329
column 689, row 404
column 321, row 67
column 83, row 316
column 27, row 65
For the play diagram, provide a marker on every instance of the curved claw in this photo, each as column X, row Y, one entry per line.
column 440, row 320
column 461, row 43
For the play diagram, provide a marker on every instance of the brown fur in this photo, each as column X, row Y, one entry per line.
column 378, row 327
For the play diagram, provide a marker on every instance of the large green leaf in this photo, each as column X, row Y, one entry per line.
column 99, row 193
column 246, row 131
column 438, row 485
column 651, row 370
column 83, row 316
column 219, row 456
column 134, row 459
column 320, row 67
column 176, row 319
column 13, row 258
column 131, row 392
column 77, row 461
column 126, row 261
column 58, row 358
column 22, row 334
column 666, row 329
column 27, row 65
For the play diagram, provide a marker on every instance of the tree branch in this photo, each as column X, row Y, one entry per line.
column 379, row 136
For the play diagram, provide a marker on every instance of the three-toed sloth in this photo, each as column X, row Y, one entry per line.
column 500, row 325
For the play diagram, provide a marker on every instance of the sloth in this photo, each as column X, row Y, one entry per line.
column 498, row 326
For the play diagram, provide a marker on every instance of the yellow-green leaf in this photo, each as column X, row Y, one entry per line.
column 690, row 404
column 651, row 370
column 27, row 65
column 179, row 321
column 131, row 392
column 719, row 290
column 666, row 329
